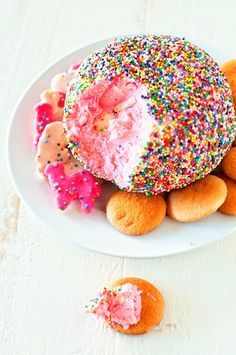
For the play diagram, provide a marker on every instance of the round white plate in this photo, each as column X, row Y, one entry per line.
column 93, row 231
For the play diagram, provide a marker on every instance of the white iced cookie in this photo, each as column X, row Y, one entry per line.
column 56, row 100
column 60, row 81
column 72, row 166
column 52, row 146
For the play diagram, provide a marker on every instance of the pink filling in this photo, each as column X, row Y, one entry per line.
column 111, row 124
column 122, row 305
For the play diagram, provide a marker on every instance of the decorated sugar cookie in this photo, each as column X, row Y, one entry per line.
column 81, row 186
column 52, row 146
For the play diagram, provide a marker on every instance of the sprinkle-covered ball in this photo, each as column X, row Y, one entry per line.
column 150, row 113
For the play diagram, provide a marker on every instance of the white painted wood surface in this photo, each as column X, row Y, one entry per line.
column 44, row 282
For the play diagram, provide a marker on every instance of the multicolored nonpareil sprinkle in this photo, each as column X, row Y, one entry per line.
column 188, row 98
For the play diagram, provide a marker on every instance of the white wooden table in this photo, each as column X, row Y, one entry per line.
column 44, row 282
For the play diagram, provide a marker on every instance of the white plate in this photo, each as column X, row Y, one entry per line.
column 93, row 231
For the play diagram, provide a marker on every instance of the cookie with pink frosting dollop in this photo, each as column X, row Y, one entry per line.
column 130, row 306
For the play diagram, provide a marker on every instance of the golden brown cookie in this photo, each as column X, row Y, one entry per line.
column 229, row 206
column 135, row 213
column 229, row 69
column 198, row 200
column 229, row 164
column 152, row 310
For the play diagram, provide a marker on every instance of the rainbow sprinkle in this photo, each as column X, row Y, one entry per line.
column 187, row 96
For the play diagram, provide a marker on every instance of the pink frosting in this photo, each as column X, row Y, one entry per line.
column 74, row 66
column 81, row 186
column 121, row 305
column 113, row 117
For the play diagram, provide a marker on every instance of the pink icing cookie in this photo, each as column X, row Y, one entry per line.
column 121, row 305
column 56, row 100
column 52, row 146
column 43, row 116
column 49, row 110
column 74, row 66
column 80, row 186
